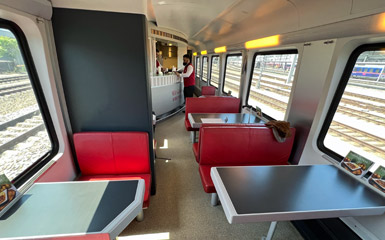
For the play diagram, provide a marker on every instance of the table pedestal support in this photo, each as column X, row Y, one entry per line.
column 193, row 136
column 270, row 234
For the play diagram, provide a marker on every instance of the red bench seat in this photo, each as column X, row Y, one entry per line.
column 208, row 91
column 239, row 146
column 114, row 156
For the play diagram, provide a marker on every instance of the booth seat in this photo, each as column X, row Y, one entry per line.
column 239, row 146
column 114, row 156
column 208, row 91
column 210, row 105
column 196, row 145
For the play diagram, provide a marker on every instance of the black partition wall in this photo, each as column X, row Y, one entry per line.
column 102, row 59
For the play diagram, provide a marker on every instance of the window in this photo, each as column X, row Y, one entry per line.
column 25, row 143
column 205, row 62
column 214, row 74
column 271, row 82
column 198, row 67
column 233, row 72
column 356, row 118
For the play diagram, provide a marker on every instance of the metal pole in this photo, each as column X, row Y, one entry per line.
column 270, row 234
column 260, row 73
column 379, row 76
column 291, row 72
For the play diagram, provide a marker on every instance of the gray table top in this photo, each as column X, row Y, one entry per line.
column 71, row 208
column 274, row 193
column 228, row 118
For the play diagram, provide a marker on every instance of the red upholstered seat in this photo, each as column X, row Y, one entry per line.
column 145, row 177
column 114, row 155
column 210, row 105
column 207, row 182
column 208, row 91
column 239, row 146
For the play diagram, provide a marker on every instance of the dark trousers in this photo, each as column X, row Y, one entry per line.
column 188, row 92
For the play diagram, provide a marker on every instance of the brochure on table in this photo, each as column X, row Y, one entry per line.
column 8, row 193
column 377, row 179
column 356, row 164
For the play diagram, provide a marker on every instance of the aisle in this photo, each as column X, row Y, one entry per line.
column 181, row 209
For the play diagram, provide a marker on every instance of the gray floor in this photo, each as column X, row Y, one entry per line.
column 180, row 208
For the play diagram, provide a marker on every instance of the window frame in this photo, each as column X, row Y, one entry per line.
column 276, row 52
column 224, row 72
column 338, row 96
column 203, row 57
column 22, row 42
column 196, row 66
column 211, row 70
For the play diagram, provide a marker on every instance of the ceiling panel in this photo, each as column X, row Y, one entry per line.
column 188, row 16
column 127, row 6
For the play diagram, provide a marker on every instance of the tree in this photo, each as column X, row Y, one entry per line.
column 9, row 50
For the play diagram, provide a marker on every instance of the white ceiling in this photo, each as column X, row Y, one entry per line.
column 188, row 16
column 128, row 6
column 212, row 23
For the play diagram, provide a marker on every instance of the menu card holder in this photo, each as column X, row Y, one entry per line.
column 377, row 179
column 356, row 164
column 8, row 194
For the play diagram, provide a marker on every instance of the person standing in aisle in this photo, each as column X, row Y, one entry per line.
column 188, row 75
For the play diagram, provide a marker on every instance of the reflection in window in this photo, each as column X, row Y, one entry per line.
column 271, row 83
column 233, row 74
column 23, row 135
column 198, row 67
column 359, row 122
column 214, row 79
column 204, row 68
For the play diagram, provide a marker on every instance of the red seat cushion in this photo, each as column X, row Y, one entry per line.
column 208, row 91
column 145, row 177
column 207, row 183
column 112, row 152
column 239, row 146
column 196, row 151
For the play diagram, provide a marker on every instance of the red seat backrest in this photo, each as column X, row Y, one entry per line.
column 112, row 152
column 208, row 90
column 242, row 145
column 212, row 105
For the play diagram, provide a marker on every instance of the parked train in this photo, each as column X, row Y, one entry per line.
column 95, row 129
column 370, row 72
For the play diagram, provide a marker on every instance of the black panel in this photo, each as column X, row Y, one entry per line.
column 103, row 65
column 325, row 229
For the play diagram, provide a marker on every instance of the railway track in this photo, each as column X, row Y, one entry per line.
column 361, row 139
column 14, row 89
column 20, row 129
column 13, row 79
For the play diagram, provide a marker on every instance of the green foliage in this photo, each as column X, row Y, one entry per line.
column 9, row 49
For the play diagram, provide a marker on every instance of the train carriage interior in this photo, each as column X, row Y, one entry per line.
column 93, row 97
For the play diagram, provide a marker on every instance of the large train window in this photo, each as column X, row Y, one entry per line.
column 356, row 118
column 205, row 62
column 198, row 67
column 271, row 82
column 214, row 73
column 233, row 70
column 27, row 139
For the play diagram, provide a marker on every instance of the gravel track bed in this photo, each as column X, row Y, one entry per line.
column 24, row 154
column 16, row 105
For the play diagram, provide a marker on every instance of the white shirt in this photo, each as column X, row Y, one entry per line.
column 190, row 70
